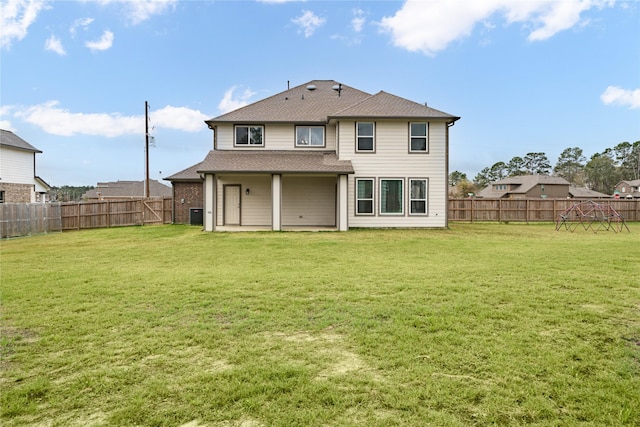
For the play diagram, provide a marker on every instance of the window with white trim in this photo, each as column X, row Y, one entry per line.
column 249, row 135
column 364, row 196
column 418, row 137
column 365, row 140
column 309, row 136
column 391, row 196
column 418, row 196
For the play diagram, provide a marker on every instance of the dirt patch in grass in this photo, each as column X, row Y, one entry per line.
column 10, row 337
column 331, row 348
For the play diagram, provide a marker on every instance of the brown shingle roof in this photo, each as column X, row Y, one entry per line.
column 10, row 139
column 188, row 174
column 384, row 104
column 273, row 161
column 327, row 99
column 297, row 105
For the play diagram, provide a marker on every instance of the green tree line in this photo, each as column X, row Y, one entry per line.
column 68, row 193
column 601, row 172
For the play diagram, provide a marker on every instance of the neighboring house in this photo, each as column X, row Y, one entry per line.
column 324, row 154
column 120, row 190
column 18, row 180
column 527, row 186
column 628, row 189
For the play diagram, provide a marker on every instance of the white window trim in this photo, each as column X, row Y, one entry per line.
column 324, row 136
column 373, row 197
column 235, row 141
column 380, row 200
column 426, row 199
column 426, row 150
column 373, row 150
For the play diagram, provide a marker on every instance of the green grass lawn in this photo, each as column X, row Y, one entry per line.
column 482, row 324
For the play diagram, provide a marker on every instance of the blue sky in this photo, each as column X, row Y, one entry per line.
column 525, row 76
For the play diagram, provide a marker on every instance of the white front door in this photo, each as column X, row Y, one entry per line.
column 231, row 205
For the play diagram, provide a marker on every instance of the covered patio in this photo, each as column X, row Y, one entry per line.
column 275, row 190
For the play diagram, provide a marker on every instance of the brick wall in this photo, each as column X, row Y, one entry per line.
column 16, row 193
column 186, row 195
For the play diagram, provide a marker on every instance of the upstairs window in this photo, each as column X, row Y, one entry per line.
column 418, row 137
column 310, row 136
column 365, row 140
column 249, row 135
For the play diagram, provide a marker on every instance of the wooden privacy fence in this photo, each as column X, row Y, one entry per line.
column 116, row 213
column 25, row 219
column 529, row 210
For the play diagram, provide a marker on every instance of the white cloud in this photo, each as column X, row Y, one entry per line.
column 618, row 96
column 55, row 45
column 429, row 27
column 308, row 22
column 6, row 124
column 80, row 23
column 55, row 120
column 138, row 11
column 358, row 20
column 180, row 118
column 16, row 16
column 229, row 103
column 105, row 42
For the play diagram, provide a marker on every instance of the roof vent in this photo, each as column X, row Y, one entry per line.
column 311, row 87
column 337, row 88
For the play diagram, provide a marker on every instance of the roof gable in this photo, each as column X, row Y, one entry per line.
column 311, row 102
column 10, row 139
column 385, row 105
column 320, row 100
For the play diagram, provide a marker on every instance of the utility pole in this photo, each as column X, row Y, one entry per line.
column 146, row 148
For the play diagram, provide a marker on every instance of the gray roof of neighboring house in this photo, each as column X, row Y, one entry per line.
column 631, row 182
column 128, row 189
column 273, row 161
column 524, row 182
column 10, row 139
column 582, row 192
column 320, row 100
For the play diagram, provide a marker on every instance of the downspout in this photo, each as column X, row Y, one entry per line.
column 446, row 178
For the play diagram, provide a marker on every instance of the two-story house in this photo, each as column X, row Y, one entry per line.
column 628, row 189
column 323, row 154
column 18, row 180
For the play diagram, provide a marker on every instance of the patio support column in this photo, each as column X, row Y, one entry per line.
column 343, row 203
column 276, row 202
column 209, row 202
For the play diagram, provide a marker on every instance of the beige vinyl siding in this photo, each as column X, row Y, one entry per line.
column 16, row 166
column 308, row 200
column 255, row 208
column 392, row 159
column 276, row 137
